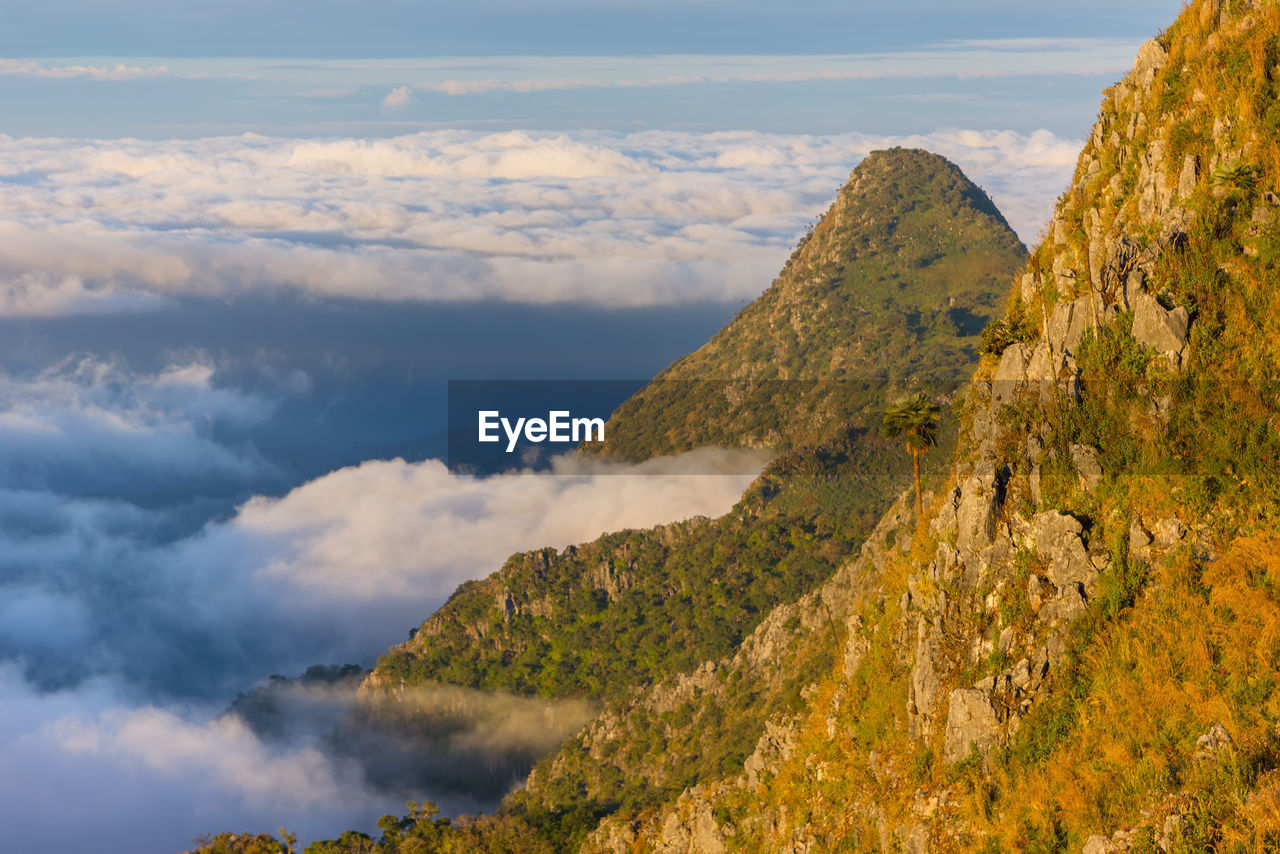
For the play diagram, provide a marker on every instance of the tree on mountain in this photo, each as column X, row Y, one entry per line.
column 915, row 421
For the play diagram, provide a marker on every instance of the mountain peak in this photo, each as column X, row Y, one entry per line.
column 890, row 288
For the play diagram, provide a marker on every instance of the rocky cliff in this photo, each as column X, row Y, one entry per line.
column 1078, row 650
column 686, row 633
column 1078, row 647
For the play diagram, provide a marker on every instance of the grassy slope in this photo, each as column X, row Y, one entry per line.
column 1175, row 641
column 888, row 292
column 891, row 287
column 906, row 236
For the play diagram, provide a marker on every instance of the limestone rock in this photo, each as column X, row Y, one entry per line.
column 1029, row 289
column 706, row 833
column 1151, row 58
column 775, row 746
column 1097, row 845
column 1067, row 324
column 1060, row 232
column 1162, row 329
column 1139, row 537
column 917, row 841
column 1169, row 531
column 1070, row 604
column 1037, row 594
column 980, row 499
column 1005, row 642
column 1187, row 178
column 946, row 519
column 1213, row 741
column 1171, row 832
column 1057, row 538
column 971, row 723
column 1010, row 373
column 1085, row 460
column 923, row 692
column 1052, row 369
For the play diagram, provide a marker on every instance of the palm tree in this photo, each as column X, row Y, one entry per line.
column 915, row 421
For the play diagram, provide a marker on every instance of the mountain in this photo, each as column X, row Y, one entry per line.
column 598, row 619
column 914, row 259
column 889, row 291
column 1079, row 650
column 694, row 639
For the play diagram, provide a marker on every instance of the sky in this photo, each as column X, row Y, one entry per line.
column 243, row 246
column 183, row 69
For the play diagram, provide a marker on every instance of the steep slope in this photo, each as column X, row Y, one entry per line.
column 888, row 291
column 1080, row 650
column 651, row 624
column 607, row 618
column 633, row 607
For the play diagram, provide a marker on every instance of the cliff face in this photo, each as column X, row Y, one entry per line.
column 1079, row 649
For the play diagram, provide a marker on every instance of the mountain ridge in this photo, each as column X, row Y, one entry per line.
column 1077, row 652
column 890, row 288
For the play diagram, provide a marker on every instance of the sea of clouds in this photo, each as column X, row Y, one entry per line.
column 124, row 633
column 155, row 560
column 609, row 219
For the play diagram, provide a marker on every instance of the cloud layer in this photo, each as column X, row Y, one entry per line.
column 89, row 768
column 607, row 219
column 124, row 629
column 102, row 572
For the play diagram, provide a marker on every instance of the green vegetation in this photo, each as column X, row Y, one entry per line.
column 627, row 609
column 888, row 294
column 892, row 288
column 909, row 235
column 915, row 421
column 1177, row 638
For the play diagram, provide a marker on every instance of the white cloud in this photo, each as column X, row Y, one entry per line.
column 336, row 570
column 398, row 97
column 105, row 427
column 51, row 71
column 605, row 218
column 147, row 779
column 387, row 531
column 958, row 59
column 462, row 76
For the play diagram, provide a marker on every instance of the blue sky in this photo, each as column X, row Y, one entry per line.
column 392, row 28
column 152, row 69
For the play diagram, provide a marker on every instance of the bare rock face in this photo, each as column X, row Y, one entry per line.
column 774, row 747
column 1151, row 58
column 706, row 833
column 980, row 499
column 1010, row 374
column 924, row 685
column 1097, row 844
column 1058, row 540
column 917, row 841
column 1212, row 742
column 1139, row 536
column 1162, row 329
column 1085, row 460
column 1169, row 532
column 1187, row 178
column 1067, row 325
column 971, row 723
